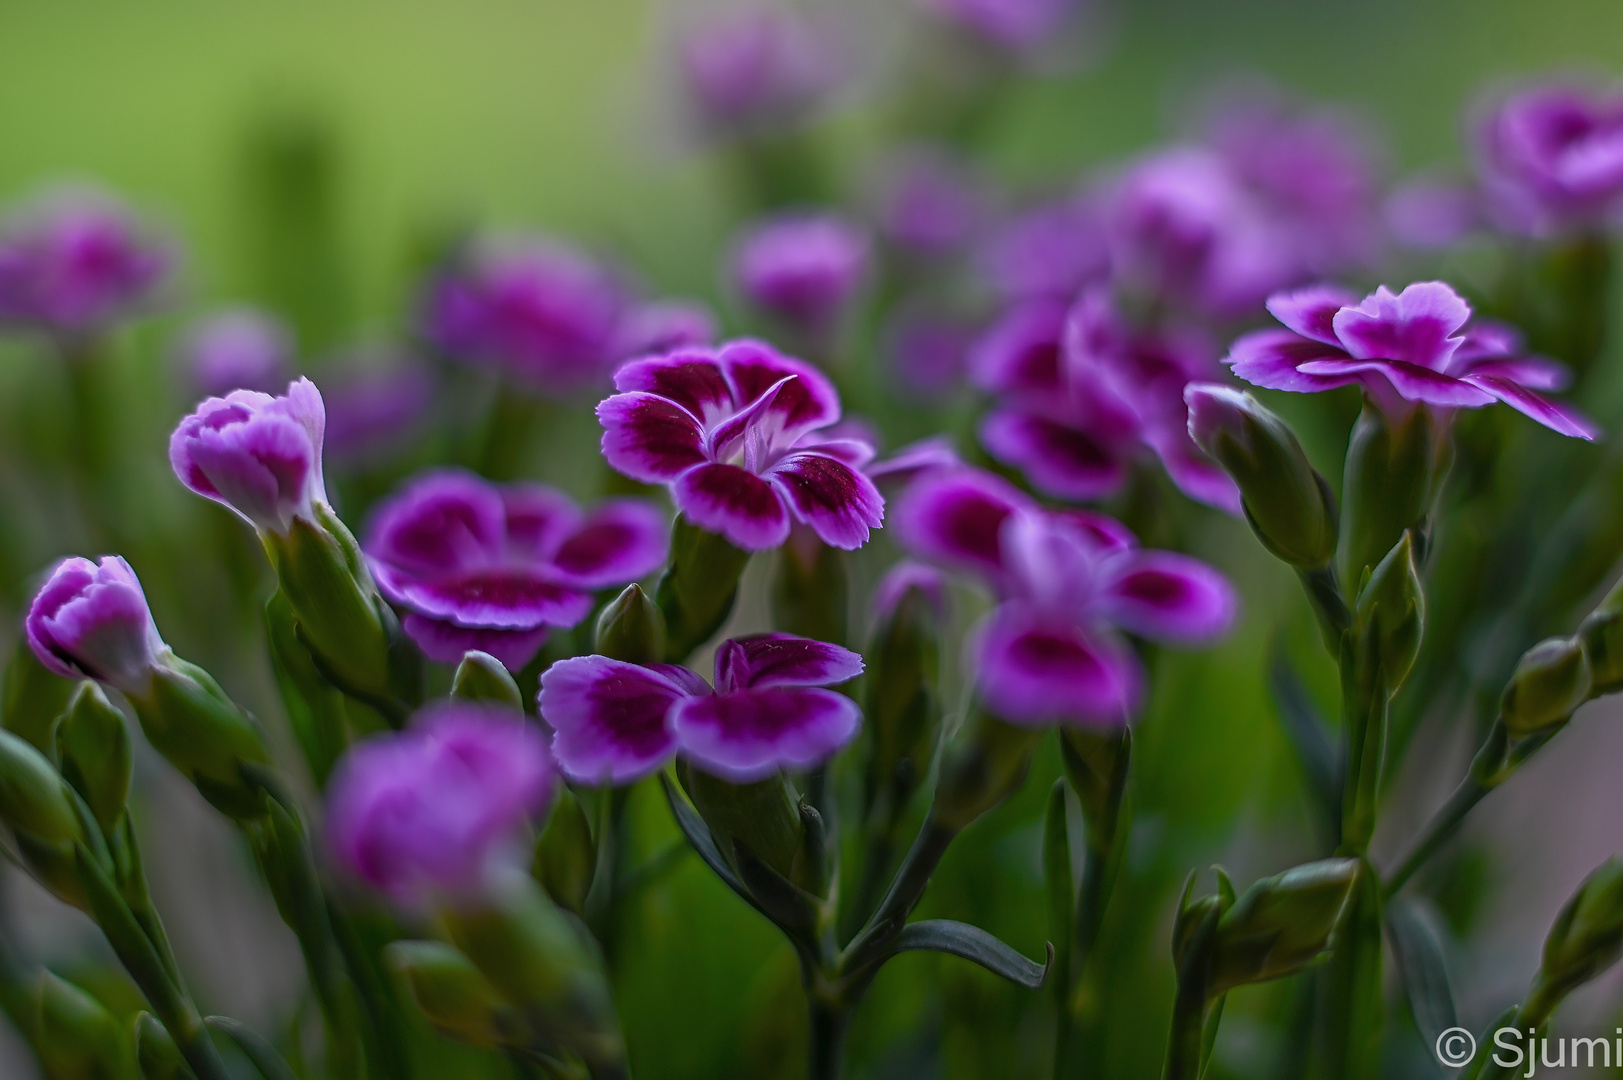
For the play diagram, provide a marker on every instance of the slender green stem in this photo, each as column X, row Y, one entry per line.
column 1328, row 604
column 904, row 895
column 1187, row 1040
column 1438, row 831
column 829, row 1021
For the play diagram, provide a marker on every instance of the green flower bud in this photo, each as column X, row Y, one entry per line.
column 1193, row 913
column 1389, row 485
column 1586, row 939
column 454, row 997
column 341, row 617
column 1602, row 634
column 631, row 629
column 1096, row 764
column 1551, row 680
column 545, row 964
column 34, row 799
column 981, row 769
column 698, row 588
column 95, row 746
column 1281, row 924
column 1288, row 504
column 566, row 854
column 78, row 1038
column 481, row 677
column 901, row 706
column 811, row 591
column 1389, row 614
column 763, row 816
column 190, row 721
column 31, row 699
column 156, row 1054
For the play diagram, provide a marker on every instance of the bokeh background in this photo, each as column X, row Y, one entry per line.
column 409, row 120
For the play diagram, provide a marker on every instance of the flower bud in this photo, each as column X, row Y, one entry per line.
column 34, row 799
column 481, row 677
column 810, row 589
column 901, row 703
column 342, row 619
column 763, row 816
column 981, row 769
column 698, row 588
column 1389, row 484
column 1281, row 924
column 1096, row 764
column 258, row 455
column 1602, row 634
column 1551, row 680
column 156, row 1054
column 188, row 719
column 453, row 996
column 1288, row 504
column 566, row 855
column 1586, row 939
column 78, row 1038
column 632, row 629
column 32, row 697
column 1190, row 931
column 1389, row 614
column 545, row 964
column 96, row 759
column 91, row 621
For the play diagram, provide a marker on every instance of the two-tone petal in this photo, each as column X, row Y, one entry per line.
column 751, row 734
column 611, row 720
column 1036, row 668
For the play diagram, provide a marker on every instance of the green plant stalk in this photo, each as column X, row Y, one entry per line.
column 1352, row 1016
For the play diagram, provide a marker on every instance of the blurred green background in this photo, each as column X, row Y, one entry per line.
column 550, row 115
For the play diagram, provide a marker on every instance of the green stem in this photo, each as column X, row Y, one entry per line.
column 829, row 1021
column 1438, row 831
column 904, row 895
column 1187, row 1040
column 1329, row 606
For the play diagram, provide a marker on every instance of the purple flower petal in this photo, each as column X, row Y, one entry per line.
column 620, row 541
column 1196, row 475
column 1274, row 358
column 446, row 642
column 92, row 621
column 1529, row 372
column 442, row 522
column 692, row 378
column 915, row 459
column 649, row 438
column 729, row 435
column 957, row 517
column 1412, row 382
column 737, row 504
column 538, row 520
column 839, row 503
column 1311, row 312
column 1023, row 352
column 905, row 577
column 767, row 660
column 611, row 719
column 497, row 597
column 1552, row 415
column 1060, row 459
column 1171, row 597
column 1037, row 669
column 1418, row 326
column 749, row 735
column 807, row 403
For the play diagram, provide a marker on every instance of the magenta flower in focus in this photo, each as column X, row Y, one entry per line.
column 757, row 69
column 435, row 811
column 1185, row 227
column 482, row 566
column 1405, row 350
column 736, row 434
column 802, row 268
column 1069, row 584
column 1552, row 158
column 1016, row 25
column 1079, row 396
column 538, row 310
column 91, row 621
column 240, row 348
column 74, row 264
column 616, row 722
column 257, row 454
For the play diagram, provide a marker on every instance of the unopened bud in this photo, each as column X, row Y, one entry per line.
column 481, row 677
column 697, row 591
column 34, row 799
column 1587, row 937
column 566, row 855
column 763, row 816
column 78, row 1038
column 1281, row 924
column 902, row 707
column 1193, row 913
column 1286, row 501
column 94, row 743
column 810, row 589
column 190, row 721
column 1389, row 614
column 1602, row 634
column 1551, row 680
column 1096, row 764
column 631, row 629
column 156, row 1054
column 454, row 997
column 981, row 769
column 1388, row 486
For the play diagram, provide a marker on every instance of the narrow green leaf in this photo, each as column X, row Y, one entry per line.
column 975, row 945
column 254, row 1047
column 1419, row 954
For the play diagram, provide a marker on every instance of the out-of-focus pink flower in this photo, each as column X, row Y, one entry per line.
column 803, row 267
column 1016, row 25
column 927, row 352
column 1407, row 349
column 929, row 206
column 1552, row 157
column 240, row 348
column 1428, row 213
column 91, row 621
column 378, row 402
column 663, row 326
column 75, row 263
column 756, row 69
column 433, row 813
column 1049, row 251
